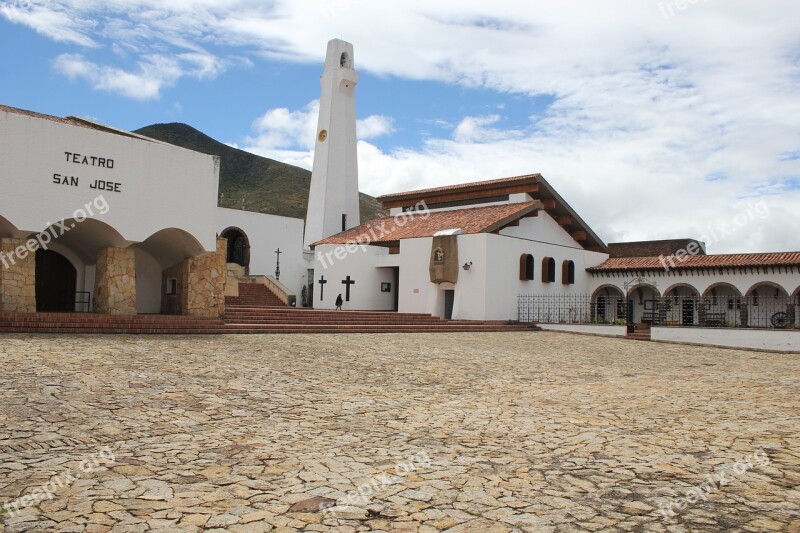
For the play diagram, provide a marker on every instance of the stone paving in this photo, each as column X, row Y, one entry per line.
column 484, row 432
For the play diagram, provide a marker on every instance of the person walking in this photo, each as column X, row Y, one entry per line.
column 339, row 302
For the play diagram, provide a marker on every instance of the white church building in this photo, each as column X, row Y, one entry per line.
column 96, row 219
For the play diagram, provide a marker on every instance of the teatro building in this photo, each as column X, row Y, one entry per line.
column 95, row 219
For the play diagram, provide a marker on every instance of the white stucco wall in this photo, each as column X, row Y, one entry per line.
column 161, row 186
column 364, row 265
column 148, row 283
column 591, row 329
column 489, row 289
column 541, row 228
column 267, row 233
column 780, row 340
column 417, row 293
column 503, row 272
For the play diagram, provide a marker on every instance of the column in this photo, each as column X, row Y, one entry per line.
column 115, row 282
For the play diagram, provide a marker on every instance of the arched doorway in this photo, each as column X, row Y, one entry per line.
column 722, row 305
column 680, row 304
column 769, row 306
column 56, row 282
column 238, row 247
column 608, row 305
column 644, row 305
column 155, row 257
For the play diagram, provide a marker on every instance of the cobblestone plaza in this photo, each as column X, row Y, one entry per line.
column 484, row 432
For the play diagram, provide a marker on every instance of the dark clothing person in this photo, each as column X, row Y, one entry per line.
column 339, row 302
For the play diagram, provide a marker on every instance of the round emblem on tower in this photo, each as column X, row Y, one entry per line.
column 323, row 134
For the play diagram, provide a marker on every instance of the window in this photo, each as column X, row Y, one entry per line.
column 568, row 272
column 526, row 267
column 172, row 286
column 548, row 270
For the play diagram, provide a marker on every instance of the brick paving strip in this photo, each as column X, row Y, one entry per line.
column 524, row 432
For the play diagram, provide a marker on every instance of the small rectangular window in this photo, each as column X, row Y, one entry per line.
column 172, row 286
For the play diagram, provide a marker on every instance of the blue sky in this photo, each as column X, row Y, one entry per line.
column 653, row 120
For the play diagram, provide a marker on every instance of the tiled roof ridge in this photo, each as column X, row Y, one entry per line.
column 701, row 261
column 503, row 211
column 455, row 187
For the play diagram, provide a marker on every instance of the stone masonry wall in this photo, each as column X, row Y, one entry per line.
column 115, row 282
column 17, row 277
column 201, row 285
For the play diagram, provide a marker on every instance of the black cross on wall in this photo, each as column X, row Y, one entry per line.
column 347, row 282
column 322, row 281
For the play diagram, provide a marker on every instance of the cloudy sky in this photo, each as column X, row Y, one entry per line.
column 653, row 118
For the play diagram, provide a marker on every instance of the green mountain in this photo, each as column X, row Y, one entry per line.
column 262, row 184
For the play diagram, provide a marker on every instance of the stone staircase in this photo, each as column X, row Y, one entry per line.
column 253, row 295
column 242, row 319
column 246, row 319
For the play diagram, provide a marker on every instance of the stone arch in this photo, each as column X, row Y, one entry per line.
column 607, row 287
column 675, row 286
column 632, row 290
column 159, row 252
column 783, row 293
column 721, row 284
column 681, row 310
column 238, row 250
column 75, row 244
column 608, row 304
column 170, row 246
column 86, row 238
column 767, row 308
column 7, row 229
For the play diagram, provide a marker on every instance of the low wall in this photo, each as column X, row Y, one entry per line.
column 590, row 329
column 759, row 339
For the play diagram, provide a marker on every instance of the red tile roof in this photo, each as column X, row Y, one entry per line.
column 487, row 184
column 424, row 224
column 699, row 262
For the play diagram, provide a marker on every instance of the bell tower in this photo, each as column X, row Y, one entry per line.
column 333, row 198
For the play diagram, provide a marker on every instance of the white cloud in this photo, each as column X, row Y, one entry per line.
column 374, row 126
column 284, row 129
column 154, row 73
column 60, row 25
column 289, row 136
column 477, row 129
column 646, row 106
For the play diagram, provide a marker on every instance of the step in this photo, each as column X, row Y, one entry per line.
column 248, row 320
column 254, row 295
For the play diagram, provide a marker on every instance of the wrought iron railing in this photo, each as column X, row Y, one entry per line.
column 778, row 312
